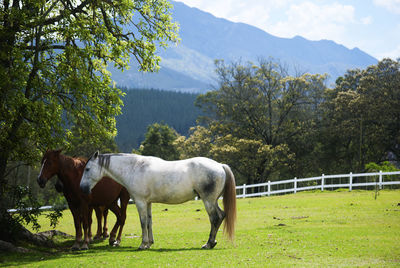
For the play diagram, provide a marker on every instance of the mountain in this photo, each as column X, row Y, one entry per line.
column 189, row 66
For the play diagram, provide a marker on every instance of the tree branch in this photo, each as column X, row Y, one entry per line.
column 62, row 15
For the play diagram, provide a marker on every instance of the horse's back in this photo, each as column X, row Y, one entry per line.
column 178, row 181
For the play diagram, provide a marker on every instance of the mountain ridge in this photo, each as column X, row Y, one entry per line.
column 189, row 66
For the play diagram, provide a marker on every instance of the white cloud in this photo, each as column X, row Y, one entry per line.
column 391, row 5
column 315, row 22
column 393, row 54
column 366, row 20
column 253, row 12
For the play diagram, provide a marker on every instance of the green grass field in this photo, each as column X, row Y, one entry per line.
column 322, row 229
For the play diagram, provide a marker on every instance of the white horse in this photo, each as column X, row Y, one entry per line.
column 153, row 180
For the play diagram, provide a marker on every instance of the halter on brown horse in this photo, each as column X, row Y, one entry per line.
column 104, row 196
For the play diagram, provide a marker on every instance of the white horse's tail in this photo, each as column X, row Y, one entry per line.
column 229, row 202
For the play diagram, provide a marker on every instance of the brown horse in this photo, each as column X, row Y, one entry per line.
column 104, row 196
column 101, row 213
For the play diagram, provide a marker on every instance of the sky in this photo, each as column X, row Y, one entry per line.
column 370, row 25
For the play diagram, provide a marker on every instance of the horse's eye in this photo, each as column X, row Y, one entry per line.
column 87, row 169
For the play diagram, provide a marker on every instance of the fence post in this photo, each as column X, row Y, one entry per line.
column 351, row 181
column 244, row 190
column 269, row 188
column 380, row 179
column 295, row 184
column 322, row 182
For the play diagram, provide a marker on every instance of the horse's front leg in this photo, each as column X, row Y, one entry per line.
column 90, row 220
column 78, row 229
column 85, row 222
column 142, row 210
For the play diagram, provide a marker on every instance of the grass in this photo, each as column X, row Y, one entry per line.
column 315, row 229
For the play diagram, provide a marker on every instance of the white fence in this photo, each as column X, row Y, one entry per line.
column 322, row 182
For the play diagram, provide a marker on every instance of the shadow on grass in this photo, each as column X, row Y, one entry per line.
column 63, row 250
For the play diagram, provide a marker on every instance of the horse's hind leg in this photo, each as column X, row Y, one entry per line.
column 117, row 211
column 150, row 224
column 105, row 230
column 124, row 205
column 216, row 216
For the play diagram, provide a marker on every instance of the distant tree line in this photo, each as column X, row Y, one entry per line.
column 143, row 107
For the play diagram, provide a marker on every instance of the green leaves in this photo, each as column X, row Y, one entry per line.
column 160, row 141
column 56, row 57
column 362, row 114
column 257, row 117
column 56, row 89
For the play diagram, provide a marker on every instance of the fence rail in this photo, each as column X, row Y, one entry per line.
column 321, row 182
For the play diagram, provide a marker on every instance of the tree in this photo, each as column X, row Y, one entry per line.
column 160, row 141
column 83, row 146
column 53, row 64
column 198, row 143
column 262, row 101
column 362, row 117
column 253, row 160
column 262, row 112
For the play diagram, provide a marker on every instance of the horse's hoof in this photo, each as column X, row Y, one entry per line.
column 116, row 243
column 144, row 246
column 111, row 242
column 75, row 246
column 209, row 245
column 105, row 235
column 85, row 247
column 97, row 237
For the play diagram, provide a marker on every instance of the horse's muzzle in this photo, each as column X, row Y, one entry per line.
column 85, row 188
column 41, row 181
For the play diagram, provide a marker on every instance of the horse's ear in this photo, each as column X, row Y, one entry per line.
column 58, row 151
column 95, row 155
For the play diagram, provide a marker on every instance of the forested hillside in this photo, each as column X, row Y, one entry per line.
column 145, row 107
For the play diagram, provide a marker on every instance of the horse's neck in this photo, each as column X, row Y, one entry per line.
column 118, row 169
column 68, row 173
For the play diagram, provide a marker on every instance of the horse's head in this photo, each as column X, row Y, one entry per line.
column 92, row 173
column 50, row 166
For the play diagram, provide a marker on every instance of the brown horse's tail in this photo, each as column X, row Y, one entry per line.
column 229, row 203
